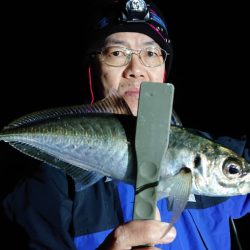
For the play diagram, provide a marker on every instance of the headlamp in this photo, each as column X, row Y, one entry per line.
column 135, row 11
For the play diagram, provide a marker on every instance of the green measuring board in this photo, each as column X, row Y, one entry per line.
column 151, row 142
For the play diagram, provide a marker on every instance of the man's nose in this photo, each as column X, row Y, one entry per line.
column 134, row 68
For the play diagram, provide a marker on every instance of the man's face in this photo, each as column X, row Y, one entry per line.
column 127, row 79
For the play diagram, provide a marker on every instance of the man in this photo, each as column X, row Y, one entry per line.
column 130, row 44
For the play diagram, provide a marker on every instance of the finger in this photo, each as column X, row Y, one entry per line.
column 157, row 214
column 146, row 248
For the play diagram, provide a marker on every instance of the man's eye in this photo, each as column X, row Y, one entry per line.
column 117, row 53
column 151, row 54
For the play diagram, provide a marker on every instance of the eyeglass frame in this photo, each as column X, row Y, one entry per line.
column 129, row 53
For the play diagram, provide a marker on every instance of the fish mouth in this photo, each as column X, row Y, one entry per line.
column 244, row 188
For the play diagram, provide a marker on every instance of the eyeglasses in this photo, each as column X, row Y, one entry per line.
column 117, row 56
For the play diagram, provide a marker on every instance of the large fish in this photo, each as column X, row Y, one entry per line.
column 89, row 142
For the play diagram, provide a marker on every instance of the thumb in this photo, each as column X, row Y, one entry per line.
column 157, row 214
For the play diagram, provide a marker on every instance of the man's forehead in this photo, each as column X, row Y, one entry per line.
column 128, row 38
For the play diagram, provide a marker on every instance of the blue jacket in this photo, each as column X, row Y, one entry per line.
column 54, row 216
column 206, row 228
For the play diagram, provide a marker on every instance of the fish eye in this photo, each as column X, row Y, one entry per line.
column 232, row 170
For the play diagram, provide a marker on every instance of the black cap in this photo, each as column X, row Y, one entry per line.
column 129, row 16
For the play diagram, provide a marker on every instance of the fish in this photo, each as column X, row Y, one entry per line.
column 90, row 142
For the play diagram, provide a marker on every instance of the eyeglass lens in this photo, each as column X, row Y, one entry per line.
column 120, row 56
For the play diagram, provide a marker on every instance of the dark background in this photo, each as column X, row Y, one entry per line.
column 42, row 47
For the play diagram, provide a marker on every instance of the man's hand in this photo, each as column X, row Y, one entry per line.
column 138, row 232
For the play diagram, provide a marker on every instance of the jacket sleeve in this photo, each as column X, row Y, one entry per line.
column 40, row 207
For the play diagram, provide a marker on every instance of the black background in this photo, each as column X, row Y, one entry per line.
column 42, row 46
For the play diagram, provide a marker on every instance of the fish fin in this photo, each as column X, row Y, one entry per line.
column 192, row 198
column 82, row 178
column 179, row 194
column 113, row 103
column 175, row 119
column 87, row 179
column 108, row 179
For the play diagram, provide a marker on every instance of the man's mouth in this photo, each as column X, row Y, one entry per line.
column 134, row 92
